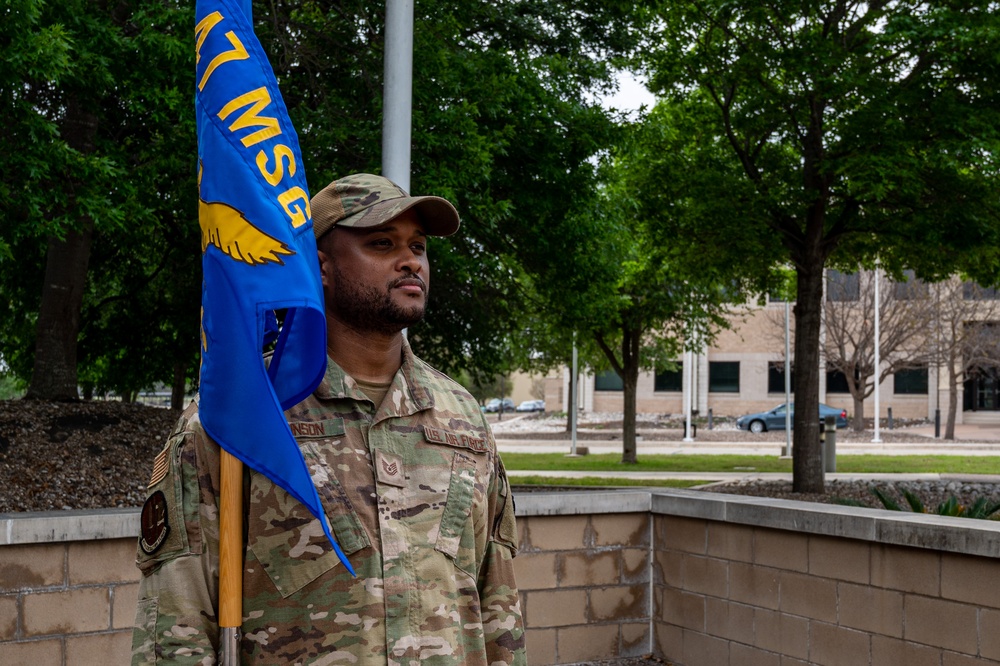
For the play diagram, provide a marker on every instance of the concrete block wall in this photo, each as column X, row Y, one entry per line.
column 700, row 579
column 734, row 594
column 585, row 586
column 67, row 603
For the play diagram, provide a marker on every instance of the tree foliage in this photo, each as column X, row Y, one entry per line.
column 96, row 151
column 856, row 130
column 612, row 276
column 505, row 121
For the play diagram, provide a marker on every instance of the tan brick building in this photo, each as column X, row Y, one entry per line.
column 742, row 370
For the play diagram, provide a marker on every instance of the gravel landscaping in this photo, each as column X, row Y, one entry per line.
column 88, row 455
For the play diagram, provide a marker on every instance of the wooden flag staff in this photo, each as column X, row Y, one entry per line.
column 231, row 531
column 230, row 557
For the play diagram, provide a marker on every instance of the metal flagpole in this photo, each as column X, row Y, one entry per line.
column 573, row 392
column 876, row 439
column 688, row 386
column 788, row 385
column 397, row 95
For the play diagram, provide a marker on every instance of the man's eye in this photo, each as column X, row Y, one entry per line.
column 419, row 247
column 382, row 242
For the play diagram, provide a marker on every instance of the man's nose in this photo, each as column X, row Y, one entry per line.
column 410, row 261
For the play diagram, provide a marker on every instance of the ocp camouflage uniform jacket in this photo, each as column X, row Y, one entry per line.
column 416, row 497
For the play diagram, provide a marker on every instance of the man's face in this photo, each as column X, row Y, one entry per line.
column 376, row 279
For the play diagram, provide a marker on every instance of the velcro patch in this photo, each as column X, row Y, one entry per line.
column 449, row 438
column 160, row 466
column 318, row 429
column 389, row 469
column 153, row 521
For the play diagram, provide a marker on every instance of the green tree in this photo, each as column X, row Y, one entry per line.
column 97, row 146
column 99, row 149
column 610, row 274
column 504, row 123
column 858, row 129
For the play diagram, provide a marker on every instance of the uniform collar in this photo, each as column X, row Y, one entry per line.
column 409, row 393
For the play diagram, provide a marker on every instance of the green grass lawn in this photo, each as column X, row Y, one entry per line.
column 855, row 464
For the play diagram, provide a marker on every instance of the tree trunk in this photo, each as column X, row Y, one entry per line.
column 630, row 382
column 179, row 387
column 628, row 370
column 54, row 374
column 571, row 400
column 807, row 457
column 858, row 420
column 949, row 430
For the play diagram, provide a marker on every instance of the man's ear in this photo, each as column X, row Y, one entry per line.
column 325, row 269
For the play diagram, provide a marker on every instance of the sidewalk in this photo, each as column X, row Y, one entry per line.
column 714, row 477
column 970, row 440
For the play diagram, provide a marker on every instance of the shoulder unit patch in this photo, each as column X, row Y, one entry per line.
column 153, row 520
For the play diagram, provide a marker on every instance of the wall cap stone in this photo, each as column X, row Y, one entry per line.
column 958, row 535
column 62, row 526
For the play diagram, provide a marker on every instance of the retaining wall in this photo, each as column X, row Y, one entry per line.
column 699, row 579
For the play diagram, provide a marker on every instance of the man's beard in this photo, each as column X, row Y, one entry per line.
column 367, row 308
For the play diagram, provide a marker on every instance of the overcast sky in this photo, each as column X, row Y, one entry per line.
column 631, row 94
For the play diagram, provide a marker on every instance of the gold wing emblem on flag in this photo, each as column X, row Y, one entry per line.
column 234, row 235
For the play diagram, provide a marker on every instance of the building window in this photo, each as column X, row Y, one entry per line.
column 842, row 286
column 608, row 381
column 669, row 380
column 911, row 288
column 724, row 376
column 776, row 377
column 836, row 382
column 912, row 381
column 971, row 291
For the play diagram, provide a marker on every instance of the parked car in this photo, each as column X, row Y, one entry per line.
column 494, row 405
column 774, row 419
column 532, row 406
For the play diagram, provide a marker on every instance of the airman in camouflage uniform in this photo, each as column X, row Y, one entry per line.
column 410, row 481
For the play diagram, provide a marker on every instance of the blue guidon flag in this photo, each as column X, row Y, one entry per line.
column 258, row 256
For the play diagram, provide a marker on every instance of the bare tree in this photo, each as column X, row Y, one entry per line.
column 968, row 337
column 906, row 322
column 906, row 317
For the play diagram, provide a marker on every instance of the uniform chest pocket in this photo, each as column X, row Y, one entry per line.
column 288, row 540
column 457, row 533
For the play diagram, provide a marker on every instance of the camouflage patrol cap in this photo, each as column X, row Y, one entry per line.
column 366, row 200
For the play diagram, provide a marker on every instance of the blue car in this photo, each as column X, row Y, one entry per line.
column 774, row 419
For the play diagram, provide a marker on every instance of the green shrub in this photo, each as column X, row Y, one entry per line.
column 981, row 508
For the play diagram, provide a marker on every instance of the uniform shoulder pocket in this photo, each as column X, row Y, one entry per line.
column 456, row 533
column 504, row 524
column 168, row 528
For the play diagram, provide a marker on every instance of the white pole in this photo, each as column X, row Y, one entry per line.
column 875, row 439
column 397, row 94
column 788, row 384
column 574, row 393
column 687, row 379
